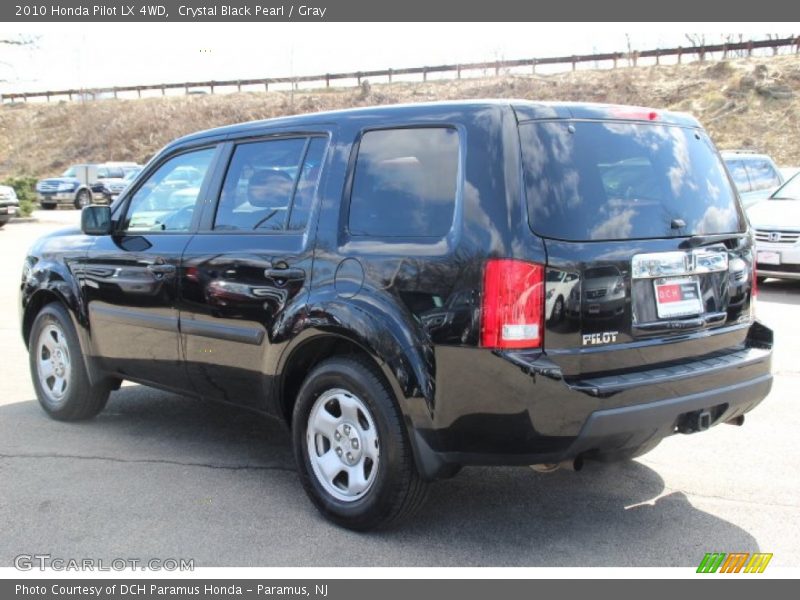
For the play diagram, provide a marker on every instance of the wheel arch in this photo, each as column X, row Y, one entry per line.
column 405, row 372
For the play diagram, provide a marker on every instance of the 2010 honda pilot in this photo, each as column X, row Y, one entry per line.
column 415, row 288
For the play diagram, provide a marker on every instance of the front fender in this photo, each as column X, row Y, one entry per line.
column 51, row 273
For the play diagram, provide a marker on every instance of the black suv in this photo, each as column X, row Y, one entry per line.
column 415, row 288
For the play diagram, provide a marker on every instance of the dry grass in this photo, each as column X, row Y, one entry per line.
column 752, row 103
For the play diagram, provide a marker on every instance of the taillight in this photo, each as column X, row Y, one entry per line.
column 512, row 308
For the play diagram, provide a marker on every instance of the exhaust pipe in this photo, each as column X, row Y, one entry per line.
column 738, row 421
column 572, row 464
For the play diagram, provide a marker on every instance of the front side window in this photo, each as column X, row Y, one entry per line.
column 261, row 183
column 167, row 199
column 405, row 183
column 762, row 175
column 739, row 175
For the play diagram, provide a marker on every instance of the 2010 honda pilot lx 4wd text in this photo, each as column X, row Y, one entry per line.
column 416, row 288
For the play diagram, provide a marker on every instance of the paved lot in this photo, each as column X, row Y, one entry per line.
column 157, row 475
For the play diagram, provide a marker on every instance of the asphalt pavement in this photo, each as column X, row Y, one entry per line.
column 158, row 475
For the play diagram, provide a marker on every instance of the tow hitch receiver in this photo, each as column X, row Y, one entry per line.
column 695, row 421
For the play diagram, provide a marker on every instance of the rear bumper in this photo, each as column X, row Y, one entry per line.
column 552, row 419
column 631, row 426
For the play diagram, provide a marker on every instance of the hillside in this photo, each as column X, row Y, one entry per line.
column 744, row 103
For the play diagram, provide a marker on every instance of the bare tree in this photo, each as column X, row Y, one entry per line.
column 18, row 41
column 698, row 41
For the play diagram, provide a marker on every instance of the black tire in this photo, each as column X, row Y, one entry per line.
column 558, row 310
column 761, row 280
column 84, row 198
column 396, row 490
column 78, row 399
column 2, row 223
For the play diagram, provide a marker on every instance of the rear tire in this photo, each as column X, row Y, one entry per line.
column 58, row 369
column 353, row 455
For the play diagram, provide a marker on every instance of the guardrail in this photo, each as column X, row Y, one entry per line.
column 701, row 52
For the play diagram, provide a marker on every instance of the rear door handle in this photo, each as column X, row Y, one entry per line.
column 284, row 274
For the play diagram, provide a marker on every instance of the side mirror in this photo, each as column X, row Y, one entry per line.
column 96, row 220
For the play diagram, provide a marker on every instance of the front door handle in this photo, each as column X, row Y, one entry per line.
column 161, row 270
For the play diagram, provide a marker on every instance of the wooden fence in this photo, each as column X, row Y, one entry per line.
column 630, row 58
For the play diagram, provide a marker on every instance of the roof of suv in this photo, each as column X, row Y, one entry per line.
column 525, row 110
column 744, row 154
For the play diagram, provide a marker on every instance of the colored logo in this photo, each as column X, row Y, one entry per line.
column 735, row 562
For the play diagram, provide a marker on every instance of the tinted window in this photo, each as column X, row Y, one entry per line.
column 307, row 184
column 405, row 183
column 611, row 180
column 166, row 200
column 762, row 175
column 259, row 185
column 739, row 175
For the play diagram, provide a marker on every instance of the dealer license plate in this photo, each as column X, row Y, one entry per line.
column 677, row 297
column 769, row 258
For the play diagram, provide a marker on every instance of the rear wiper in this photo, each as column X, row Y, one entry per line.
column 705, row 240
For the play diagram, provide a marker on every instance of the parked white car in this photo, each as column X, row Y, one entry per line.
column 777, row 225
column 9, row 204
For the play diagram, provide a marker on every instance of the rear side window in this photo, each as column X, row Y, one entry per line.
column 762, row 175
column 405, row 183
column 615, row 180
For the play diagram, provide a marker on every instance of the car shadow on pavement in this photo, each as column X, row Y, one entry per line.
column 784, row 291
column 165, row 473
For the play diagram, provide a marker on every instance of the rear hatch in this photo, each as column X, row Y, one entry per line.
column 649, row 260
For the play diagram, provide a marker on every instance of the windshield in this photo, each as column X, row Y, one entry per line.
column 69, row 172
column 789, row 191
column 614, row 180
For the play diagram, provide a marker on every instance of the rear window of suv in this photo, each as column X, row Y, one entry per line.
column 613, row 180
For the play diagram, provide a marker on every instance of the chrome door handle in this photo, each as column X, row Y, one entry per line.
column 285, row 274
column 161, row 269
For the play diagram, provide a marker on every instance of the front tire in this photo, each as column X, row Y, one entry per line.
column 84, row 198
column 58, row 369
column 352, row 452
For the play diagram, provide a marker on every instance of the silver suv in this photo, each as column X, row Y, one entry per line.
column 755, row 175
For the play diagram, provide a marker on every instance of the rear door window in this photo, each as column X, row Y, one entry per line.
column 613, row 180
column 270, row 185
column 405, row 183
